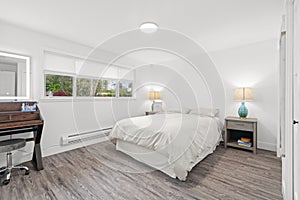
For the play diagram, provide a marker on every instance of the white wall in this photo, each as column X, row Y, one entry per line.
column 256, row 66
column 62, row 117
column 174, row 88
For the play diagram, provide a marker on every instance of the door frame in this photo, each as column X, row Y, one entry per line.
column 288, row 156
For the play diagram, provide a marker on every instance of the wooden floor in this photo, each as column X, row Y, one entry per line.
column 100, row 172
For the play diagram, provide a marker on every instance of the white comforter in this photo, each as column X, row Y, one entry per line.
column 184, row 139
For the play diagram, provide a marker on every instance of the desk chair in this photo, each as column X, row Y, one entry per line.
column 8, row 146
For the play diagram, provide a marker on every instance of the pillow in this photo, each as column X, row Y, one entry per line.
column 209, row 112
column 177, row 110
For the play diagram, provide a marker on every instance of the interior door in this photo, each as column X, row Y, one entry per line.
column 296, row 135
column 296, row 101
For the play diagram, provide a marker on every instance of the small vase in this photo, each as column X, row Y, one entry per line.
column 243, row 111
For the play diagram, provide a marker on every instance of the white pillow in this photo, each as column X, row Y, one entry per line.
column 177, row 110
column 210, row 112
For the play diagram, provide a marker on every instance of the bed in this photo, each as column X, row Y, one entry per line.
column 171, row 142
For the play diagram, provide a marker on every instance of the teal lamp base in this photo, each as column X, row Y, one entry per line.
column 243, row 111
column 152, row 106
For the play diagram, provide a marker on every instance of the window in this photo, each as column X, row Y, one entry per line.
column 84, row 87
column 125, row 88
column 62, row 85
column 106, row 88
column 58, row 85
column 61, row 71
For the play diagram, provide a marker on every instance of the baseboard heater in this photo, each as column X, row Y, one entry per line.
column 89, row 135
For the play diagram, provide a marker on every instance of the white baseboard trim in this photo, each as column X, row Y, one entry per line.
column 60, row 149
column 267, row 146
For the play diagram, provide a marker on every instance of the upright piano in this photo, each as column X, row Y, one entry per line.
column 15, row 121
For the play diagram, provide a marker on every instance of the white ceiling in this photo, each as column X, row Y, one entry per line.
column 215, row 24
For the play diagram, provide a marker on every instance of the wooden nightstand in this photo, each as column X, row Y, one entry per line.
column 150, row 113
column 236, row 127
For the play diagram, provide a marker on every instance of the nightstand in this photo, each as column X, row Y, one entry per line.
column 150, row 113
column 236, row 127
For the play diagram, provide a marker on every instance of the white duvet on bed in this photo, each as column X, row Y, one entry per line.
column 185, row 139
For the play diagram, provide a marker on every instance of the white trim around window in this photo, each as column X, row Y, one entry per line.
column 74, row 88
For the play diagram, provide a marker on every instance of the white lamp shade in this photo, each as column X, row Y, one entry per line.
column 154, row 95
column 243, row 94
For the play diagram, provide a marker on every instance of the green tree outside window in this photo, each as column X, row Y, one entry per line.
column 58, row 85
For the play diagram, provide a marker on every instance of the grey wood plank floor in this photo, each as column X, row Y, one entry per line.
column 101, row 172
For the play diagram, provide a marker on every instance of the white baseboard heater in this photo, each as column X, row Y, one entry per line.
column 89, row 135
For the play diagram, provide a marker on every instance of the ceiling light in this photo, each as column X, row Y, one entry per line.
column 148, row 27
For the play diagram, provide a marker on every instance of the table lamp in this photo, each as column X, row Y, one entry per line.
column 153, row 95
column 243, row 94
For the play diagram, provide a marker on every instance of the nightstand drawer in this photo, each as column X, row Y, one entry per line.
column 245, row 126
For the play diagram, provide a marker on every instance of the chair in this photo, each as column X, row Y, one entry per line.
column 8, row 146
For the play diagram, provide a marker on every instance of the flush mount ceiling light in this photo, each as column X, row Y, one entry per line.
column 148, row 27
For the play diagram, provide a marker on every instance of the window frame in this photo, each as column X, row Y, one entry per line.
column 132, row 93
column 91, row 80
column 110, row 79
column 47, row 72
column 74, row 87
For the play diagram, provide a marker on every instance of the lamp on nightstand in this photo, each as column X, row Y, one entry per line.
column 243, row 94
column 153, row 95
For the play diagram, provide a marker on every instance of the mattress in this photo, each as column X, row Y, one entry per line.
column 172, row 143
